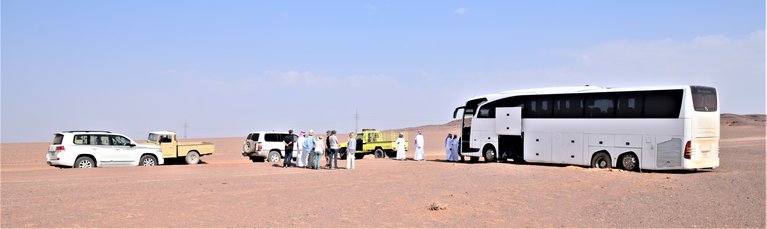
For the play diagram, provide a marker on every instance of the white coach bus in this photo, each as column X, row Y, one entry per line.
column 657, row 128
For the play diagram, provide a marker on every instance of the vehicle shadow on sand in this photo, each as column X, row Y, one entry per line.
column 576, row 166
column 179, row 161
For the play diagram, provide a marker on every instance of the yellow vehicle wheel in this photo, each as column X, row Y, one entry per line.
column 379, row 153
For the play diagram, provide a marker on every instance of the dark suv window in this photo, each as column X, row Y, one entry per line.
column 272, row 137
column 253, row 137
column 58, row 139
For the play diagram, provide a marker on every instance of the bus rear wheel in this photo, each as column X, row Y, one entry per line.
column 629, row 162
column 601, row 160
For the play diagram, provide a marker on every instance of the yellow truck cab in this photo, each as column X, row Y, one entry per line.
column 171, row 148
column 371, row 141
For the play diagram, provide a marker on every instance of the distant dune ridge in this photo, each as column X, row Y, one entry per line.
column 742, row 120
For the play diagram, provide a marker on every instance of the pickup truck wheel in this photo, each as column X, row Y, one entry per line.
column 379, row 153
column 193, row 157
column 274, row 156
column 148, row 160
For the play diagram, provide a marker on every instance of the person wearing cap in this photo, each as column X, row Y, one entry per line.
column 319, row 149
column 418, row 147
column 308, row 147
column 289, row 141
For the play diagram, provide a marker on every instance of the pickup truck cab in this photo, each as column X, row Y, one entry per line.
column 371, row 141
column 172, row 148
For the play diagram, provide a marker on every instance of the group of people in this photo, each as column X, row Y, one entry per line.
column 419, row 143
column 310, row 144
column 306, row 144
column 452, row 142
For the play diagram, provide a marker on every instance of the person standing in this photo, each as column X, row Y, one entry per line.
column 333, row 145
column 351, row 147
column 454, row 144
column 319, row 149
column 300, row 150
column 449, row 147
column 400, row 147
column 308, row 147
column 418, row 147
column 289, row 141
column 327, row 148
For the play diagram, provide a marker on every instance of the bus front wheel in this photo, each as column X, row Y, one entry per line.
column 489, row 153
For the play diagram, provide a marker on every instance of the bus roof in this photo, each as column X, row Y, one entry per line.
column 571, row 90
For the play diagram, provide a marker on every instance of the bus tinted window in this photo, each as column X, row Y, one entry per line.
column 568, row 107
column 703, row 98
column 662, row 104
column 599, row 106
column 538, row 107
column 630, row 106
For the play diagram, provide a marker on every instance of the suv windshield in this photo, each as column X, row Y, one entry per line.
column 703, row 98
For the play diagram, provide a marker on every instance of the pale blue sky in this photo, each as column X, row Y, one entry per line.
column 230, row 67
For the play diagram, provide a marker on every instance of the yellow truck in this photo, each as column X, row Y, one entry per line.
column 371, row 141
column 171, row 148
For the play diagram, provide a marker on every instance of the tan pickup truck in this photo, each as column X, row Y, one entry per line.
column 171, row 148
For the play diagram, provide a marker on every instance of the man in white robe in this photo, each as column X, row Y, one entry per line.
column 455, row 147
column 418, row 147
column 400, row 147
column 449, row 147
column 300, row 146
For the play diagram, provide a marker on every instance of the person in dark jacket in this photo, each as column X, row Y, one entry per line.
column 289, row 141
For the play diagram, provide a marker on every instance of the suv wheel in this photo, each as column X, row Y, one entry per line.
column 84, row 163
column 148, row 160
column 274, row 156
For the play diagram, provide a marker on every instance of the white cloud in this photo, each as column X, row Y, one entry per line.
column 460, row 10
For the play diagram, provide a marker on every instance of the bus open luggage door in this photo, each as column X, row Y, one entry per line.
column 508, row 126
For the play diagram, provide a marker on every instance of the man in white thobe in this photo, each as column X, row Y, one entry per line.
column 449, row 147
column 455, row 147
column 400, row 147
column 300, row 147
column 418, row 147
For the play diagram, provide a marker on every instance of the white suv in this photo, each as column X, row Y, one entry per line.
column 87, row 149
column 266, row 145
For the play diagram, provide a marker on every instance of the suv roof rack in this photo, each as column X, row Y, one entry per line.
column 87, row 131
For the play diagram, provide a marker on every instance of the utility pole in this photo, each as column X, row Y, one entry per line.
column 185, row 127
column 356, row 120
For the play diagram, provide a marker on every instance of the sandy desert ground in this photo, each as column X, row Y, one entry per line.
column 231, row 191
